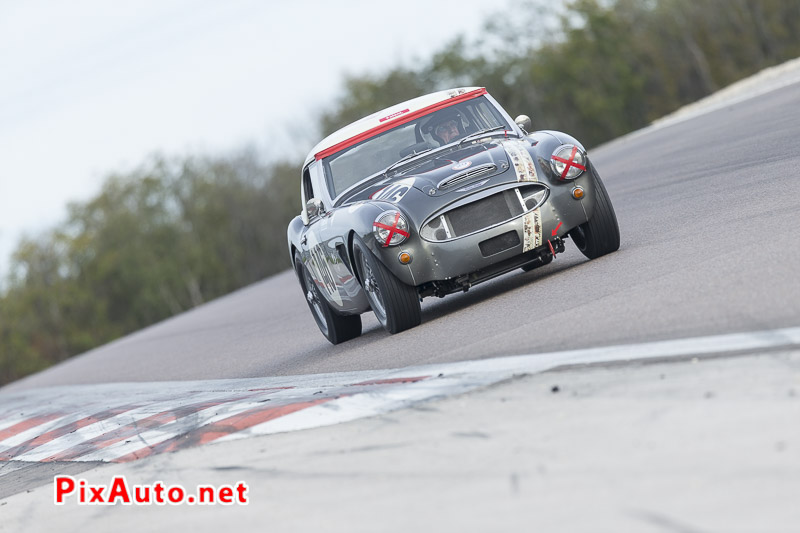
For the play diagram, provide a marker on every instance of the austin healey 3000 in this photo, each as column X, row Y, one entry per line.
column 432, row 196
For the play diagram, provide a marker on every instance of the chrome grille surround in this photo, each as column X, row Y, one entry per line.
column 484, row 213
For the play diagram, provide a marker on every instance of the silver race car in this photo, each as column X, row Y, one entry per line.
column 432, row 196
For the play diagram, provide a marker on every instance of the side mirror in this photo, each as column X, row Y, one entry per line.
column 524, row 122
column 314, row 208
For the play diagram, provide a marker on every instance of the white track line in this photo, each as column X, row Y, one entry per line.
column 534, row 363
column 363, row 405
column 468, row 375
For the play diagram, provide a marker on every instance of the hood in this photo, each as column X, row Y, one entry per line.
column 449, row 175
column 462, row 170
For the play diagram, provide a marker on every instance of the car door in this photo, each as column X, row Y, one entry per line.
column 316, row 240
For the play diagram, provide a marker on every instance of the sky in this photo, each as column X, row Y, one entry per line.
column 91, row 87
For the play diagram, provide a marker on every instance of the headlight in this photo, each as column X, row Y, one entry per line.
column 568, row 162
column 390, row 228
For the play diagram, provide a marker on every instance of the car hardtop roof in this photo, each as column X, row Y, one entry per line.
column 388, row 118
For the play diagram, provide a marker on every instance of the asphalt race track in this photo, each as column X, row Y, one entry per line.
column 708, row 210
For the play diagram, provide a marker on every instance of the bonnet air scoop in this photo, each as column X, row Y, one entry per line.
column 471, row 173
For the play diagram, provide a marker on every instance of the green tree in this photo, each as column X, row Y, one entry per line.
column 154, row 242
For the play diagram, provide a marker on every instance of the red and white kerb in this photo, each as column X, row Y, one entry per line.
column 390, row 228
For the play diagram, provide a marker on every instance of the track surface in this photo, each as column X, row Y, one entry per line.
column 708, row 210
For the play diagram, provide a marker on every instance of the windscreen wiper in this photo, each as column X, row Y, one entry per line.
column 478, row 134
column 404, row 159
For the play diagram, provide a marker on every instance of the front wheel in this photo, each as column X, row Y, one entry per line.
column 600, row 234
column 396, row 305
column 336, row 328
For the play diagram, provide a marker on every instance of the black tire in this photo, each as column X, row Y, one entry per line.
column 336, row 328
column 395, row 304
column 545, row 260
column 600, row 234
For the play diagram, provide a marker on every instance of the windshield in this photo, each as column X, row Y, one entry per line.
column 372, row 156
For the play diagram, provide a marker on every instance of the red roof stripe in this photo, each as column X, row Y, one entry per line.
column 405, row 118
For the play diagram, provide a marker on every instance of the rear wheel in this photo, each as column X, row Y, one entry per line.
column 396, row 305
column 336, row 328
column 600, row 234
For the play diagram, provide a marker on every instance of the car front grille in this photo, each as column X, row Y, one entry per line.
column 484, row 213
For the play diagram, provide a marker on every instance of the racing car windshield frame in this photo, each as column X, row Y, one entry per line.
column 348, row 169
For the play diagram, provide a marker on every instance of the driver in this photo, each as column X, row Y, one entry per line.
column 446, row 127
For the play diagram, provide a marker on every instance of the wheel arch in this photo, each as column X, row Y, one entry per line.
column 294, row 252
column 351, row 255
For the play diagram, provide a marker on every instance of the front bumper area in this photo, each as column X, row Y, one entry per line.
column 487, row 253
column 538, row 256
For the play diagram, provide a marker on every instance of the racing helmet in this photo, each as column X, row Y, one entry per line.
column 440, row 120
